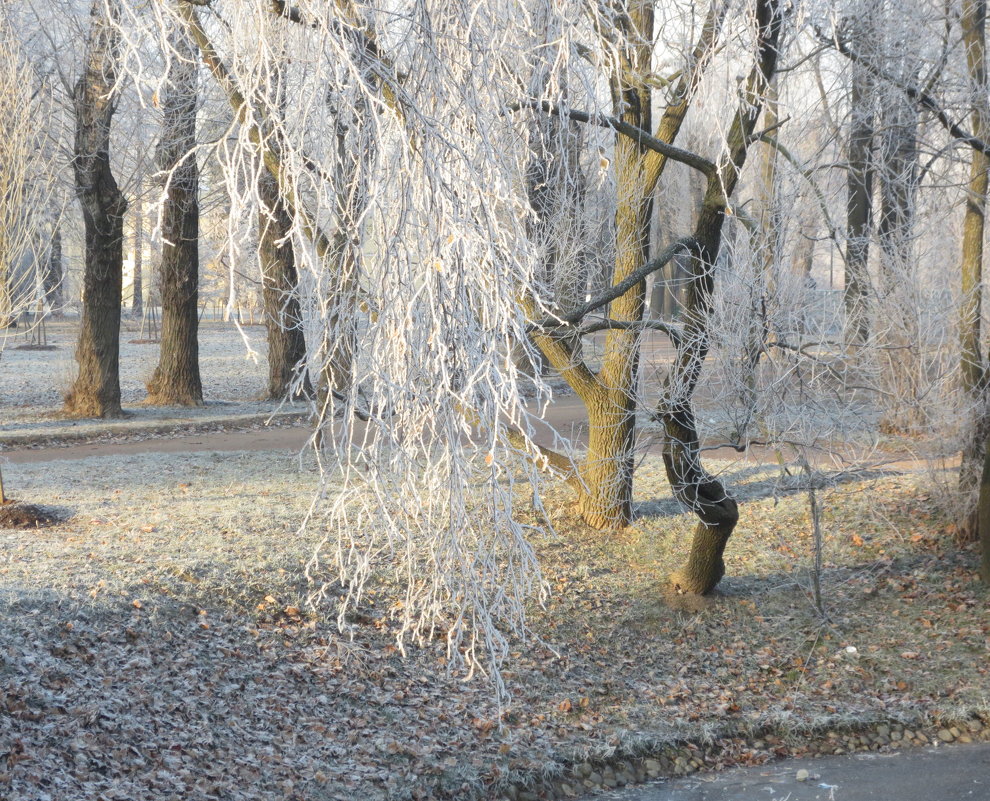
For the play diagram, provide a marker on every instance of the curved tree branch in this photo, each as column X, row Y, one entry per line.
column 636, row 134
column 685, row 245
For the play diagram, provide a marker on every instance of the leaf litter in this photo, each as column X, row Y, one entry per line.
column 158, row 644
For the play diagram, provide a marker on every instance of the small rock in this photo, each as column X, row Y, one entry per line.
column 595, row 778
column 802, row 775
column 528, row 796
column 883, row 730
column 974, row 726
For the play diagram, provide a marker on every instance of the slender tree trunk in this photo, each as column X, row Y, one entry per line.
column 7, row 280
column 974, row 369
column 765, row 279
column 137, row 298
column 283, row 316
column 859, row 197
column 52, row 283
column 96, row 390
column 904, row 367
column 176, row 381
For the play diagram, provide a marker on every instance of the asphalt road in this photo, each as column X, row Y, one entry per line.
column 947, row 773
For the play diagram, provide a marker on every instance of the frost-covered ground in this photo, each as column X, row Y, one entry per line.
column 32, row 382
column 157, row 645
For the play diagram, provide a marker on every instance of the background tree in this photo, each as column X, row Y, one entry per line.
column 176, row 380
column 287, row 373
column 96, row 390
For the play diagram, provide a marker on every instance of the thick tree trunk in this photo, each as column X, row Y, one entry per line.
column 176, row 380
column 287, row 372
column 96, row 390
column 607, row 472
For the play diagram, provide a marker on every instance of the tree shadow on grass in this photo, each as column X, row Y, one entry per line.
column 771, row 487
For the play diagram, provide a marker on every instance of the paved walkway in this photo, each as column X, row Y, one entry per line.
column 949, row 773
column 566, row 416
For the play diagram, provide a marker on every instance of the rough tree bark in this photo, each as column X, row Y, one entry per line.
column 283, row 316
column 606, row 500
column 96, row 390
column 176, row 380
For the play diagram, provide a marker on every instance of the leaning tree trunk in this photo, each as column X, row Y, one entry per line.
column 690, row 482
column 287, row 372
column 96, row 390
column 176, row 380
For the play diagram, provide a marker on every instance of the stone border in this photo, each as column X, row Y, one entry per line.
column 683, row 757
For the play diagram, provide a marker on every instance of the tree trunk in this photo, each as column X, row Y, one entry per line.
column 690, row 482
column 287, row 372
column 96, row 390
column 974, row 369
column 137, row 295
column 52, row 282
column 176, row 380
column 904, row 369
column 607, row 472
column 859, row 199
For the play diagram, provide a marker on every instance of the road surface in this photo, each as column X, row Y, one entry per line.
column 948, row 773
